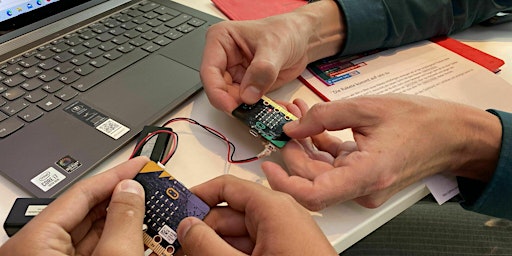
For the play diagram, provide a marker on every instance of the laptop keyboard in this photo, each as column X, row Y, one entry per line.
column 43, row 79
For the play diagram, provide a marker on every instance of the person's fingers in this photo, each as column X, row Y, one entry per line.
column 197, row 238
column 258, row 79
column 305, row 191
column 226, row 222
column 335, row 185
column 88, row 241
column 303, row 159
column 86, row 194
column 124, row 220
column 218, row 87
column 226, row 188
column 336, row 115
column 214, row 70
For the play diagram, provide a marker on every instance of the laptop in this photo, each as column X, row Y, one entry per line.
column 81, row 78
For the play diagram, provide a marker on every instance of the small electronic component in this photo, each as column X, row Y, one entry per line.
column 22, row 211
column 156, row 146
column 266, row 119
column 167, row 203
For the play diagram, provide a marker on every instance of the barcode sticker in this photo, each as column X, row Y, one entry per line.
column 96, row 119
column 113, row 128
column 168, row 234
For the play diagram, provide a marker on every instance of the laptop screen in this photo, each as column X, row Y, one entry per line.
column 13, row 8
column 15, row 14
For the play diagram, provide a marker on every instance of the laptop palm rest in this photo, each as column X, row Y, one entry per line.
column 153, row 85
column 136, row 96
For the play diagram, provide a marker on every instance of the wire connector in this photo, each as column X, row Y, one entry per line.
column 269, row 148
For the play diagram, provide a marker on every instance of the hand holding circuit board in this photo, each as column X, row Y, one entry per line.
column 265, row 118
column 167, row 203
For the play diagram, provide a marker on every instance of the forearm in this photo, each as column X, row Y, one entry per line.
column 373, row 24
column 325, row 26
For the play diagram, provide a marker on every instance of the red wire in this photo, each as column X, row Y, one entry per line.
column 175, row 144
column 149, row 136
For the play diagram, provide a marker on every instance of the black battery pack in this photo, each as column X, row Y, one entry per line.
column 22, row 211
column 155, row 148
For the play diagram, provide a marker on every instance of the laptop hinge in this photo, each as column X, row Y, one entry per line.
column 61, row 27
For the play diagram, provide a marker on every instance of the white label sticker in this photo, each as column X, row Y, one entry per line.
column 33, row 210
column 113, row 128
column 168, row 234
column 48, row 179
column 442, row 186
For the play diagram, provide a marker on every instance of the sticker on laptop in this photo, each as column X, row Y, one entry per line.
column 48, row 179
column 68, row 164
column 96, row 119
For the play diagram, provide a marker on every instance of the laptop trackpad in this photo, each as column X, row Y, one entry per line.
column 153, row 85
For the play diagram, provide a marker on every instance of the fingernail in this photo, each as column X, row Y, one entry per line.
column 131, row 186
column 290, row 125
column 251, row 94
column 185, row 226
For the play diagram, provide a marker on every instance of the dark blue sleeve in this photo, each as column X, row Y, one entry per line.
column 493, row 198
column 374, row 24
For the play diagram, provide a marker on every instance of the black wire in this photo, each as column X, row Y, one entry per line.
column 216, row 134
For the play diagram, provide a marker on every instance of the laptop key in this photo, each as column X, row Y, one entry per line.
column 49, row 104
column 69, row 77
column 67, row 93
column 35, row 96
column 196, row 22
column 3, row 116
column 64, row 56
column 30, row 114
column 53, row 86
column 32, row 84
column 49, row 75
column 14, row 80
column 12, row 70
column 162, row 41
column 48, row 64
column 45, row 54
column 148, row 7
column 64, row 67
column 9, row 126
column 99, row 62
column 14, row 107
column 93, row 53
column 29, row 62
column 80, row 60
column 32, row 72
column 13, row 93
column 79, row 49
column 150, row 47
column 84, row 70
column 178, row 20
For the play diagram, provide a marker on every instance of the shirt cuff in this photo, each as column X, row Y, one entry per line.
column 361, row 17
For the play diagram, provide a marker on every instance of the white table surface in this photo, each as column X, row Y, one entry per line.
column 201, row 157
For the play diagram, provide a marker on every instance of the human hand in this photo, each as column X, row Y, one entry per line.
column 78, row 222
column 399, row 140
column 243, row 60
column 256, row 221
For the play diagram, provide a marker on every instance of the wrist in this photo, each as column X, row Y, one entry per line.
column 482, row 135
column 326, row 28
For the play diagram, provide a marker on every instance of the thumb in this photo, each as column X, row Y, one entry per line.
column 197, row 238
column 258, row 79
column 123, row 225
